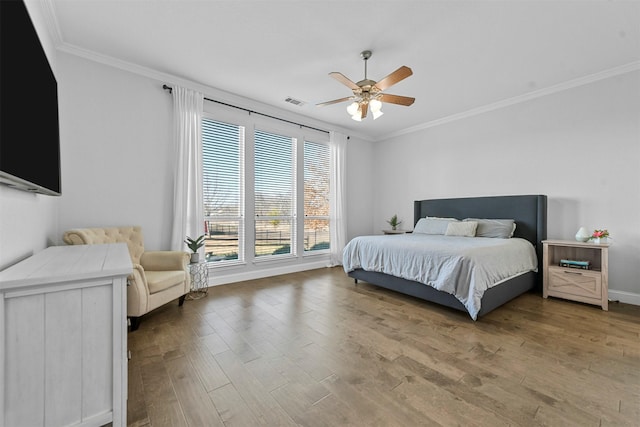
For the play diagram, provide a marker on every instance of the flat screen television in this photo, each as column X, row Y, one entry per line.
column 29, row 129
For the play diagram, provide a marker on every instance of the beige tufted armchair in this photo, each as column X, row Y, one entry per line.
column 158, row 276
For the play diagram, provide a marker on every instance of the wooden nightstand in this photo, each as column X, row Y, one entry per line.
column 588, row 286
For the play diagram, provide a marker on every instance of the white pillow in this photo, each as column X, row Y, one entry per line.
column 466, row 229
column 433, row 225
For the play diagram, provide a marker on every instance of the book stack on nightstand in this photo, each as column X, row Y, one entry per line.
column 576, row 271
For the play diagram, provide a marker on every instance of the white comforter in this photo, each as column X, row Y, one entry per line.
column 463, row 266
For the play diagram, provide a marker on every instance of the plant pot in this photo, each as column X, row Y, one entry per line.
column 195, row 258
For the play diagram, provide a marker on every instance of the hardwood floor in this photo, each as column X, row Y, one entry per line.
column 314, row 349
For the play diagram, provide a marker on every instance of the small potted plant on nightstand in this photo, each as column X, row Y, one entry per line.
column 393, row 222
column 600, row 236
column 194, row 245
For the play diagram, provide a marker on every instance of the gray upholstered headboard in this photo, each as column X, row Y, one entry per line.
column 529, row 212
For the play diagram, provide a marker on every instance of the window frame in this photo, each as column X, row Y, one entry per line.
column 293, row 246
column 241, row 217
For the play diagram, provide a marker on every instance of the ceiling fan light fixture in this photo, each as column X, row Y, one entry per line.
column 352, row 108
column 357, row 116
column 375, row 105
column 376, row 114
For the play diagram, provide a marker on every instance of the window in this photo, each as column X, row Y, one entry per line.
column 275, row 207
column 223, row 189
column 316, row 197
column 266, row 191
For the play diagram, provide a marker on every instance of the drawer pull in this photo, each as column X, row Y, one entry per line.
column 573, row 272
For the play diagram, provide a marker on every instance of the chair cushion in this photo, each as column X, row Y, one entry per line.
column 160, row 280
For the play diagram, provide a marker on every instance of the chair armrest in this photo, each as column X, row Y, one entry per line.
column 165, row 260
column 74, row 237
column 137, row 292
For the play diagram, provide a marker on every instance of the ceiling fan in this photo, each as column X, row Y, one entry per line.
column 368, row 94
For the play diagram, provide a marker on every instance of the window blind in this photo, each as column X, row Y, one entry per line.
column 274, row 193
column 223, row 189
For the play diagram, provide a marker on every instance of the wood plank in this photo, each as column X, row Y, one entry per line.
column 97, row 351
column 258, row 400
column 233, row 410
column 162, row 404
column 137, row 409
column 24, row 376
column 194, row 400
column 314, row 349
column 63, row 380
column 209, row 372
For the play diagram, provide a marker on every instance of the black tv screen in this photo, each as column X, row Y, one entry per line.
column 29, row 130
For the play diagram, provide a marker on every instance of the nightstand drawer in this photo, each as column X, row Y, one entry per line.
column 582, row 283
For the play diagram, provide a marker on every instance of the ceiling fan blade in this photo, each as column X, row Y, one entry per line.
column 344, row 80
column 364, row 107
column 397, row 99
column 335, row 101
column 393, row 78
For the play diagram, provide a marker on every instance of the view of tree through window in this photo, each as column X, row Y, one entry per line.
column 316, row 196
column 222, row 153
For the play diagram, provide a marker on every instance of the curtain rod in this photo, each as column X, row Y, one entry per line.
column 170, row 89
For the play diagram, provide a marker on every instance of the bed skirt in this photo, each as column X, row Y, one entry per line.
column 492, row 298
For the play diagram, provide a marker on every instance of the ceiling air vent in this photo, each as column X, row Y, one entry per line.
column 294, row 101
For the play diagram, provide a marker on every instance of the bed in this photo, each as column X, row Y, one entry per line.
column 530, row 215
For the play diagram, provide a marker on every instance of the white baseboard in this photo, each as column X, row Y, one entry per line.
column 625, row 297
column 216, row 280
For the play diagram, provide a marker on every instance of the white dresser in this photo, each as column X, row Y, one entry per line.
column 63, row 336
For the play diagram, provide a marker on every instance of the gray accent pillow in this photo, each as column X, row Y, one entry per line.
column 433, row 225
column 496, row 228
column 461, row 228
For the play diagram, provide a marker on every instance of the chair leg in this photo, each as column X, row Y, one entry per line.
column 181, row 300
column 135, row 323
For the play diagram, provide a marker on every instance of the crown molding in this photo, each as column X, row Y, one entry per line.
column 208, row 91
column 48, row 10
column 560, row 87
column 246, row 102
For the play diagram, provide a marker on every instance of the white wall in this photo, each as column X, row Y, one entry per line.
column 117, row 160
column 360, row 187
column 580, row 147
column 28, row 222
column 116, row 130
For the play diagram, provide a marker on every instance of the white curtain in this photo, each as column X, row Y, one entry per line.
column 188, row 211
column 338, row 200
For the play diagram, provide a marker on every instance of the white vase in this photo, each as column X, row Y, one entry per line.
column 195, row 258
column 598, row 240
column 582, row 235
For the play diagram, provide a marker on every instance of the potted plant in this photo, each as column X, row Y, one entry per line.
column 194, row 245
column 393, row 222
column 600, row 236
